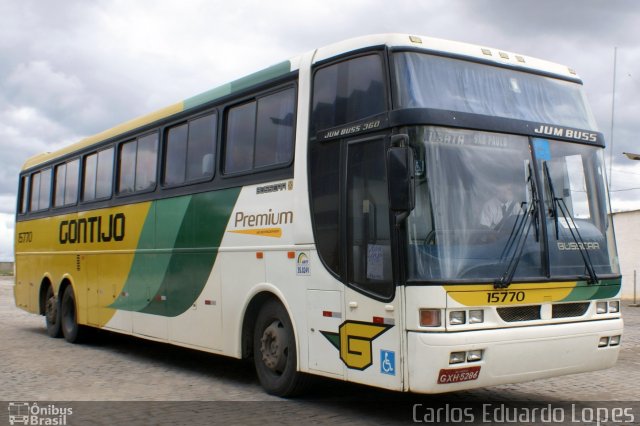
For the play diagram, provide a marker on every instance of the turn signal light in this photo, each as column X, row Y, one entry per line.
column 430, row 318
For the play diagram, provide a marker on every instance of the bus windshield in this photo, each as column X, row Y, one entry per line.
column 478, row 207
column 428, row 81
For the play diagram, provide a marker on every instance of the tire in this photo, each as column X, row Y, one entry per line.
column 71, row 330
column 274, row 352
column 52, row 314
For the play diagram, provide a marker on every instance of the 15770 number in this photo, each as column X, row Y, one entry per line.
column 505, row 296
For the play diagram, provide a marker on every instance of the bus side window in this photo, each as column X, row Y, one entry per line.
column 260, row 133
column 347, row 91
column 138, row 161
column 40, row 190
column 24, row 186
column 66, row 184
column 97, row 175
column 190, row 151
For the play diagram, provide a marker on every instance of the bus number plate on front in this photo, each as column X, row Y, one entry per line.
column 455, row 375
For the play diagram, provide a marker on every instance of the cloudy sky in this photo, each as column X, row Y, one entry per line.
column 74, row 68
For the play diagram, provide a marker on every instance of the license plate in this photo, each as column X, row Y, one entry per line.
column 455, row 375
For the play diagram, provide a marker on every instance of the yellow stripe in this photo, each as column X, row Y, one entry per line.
column 516, row 294
column 262, row 232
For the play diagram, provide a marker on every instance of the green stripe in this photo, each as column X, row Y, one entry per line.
column 267, row 74
column 604, row 290
column 160, row 231
column 202, row 227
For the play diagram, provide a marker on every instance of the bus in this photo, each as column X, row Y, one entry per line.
column 393, row 210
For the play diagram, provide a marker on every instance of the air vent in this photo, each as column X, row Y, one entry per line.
column 519, row 313
column 569, row 310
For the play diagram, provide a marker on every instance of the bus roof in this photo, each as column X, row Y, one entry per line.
column 429, row 44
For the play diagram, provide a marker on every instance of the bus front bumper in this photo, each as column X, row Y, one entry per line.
column 509, row 355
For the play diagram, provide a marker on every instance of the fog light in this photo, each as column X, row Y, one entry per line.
column 614, row 307
column 476, row 317
column 604, row 341
column 614, row 341
column 430, row 318
column 457, row 317
column 601, row 307
column 457, row 357
column 473, row 356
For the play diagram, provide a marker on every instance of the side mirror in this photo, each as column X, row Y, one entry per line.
column 400, row 178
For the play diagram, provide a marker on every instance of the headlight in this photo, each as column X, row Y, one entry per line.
column 614, row 341
column 457, row 357
column 476, row 316
column 457, row 317
column 473, row 356
column 601, row 307
column 614, row 307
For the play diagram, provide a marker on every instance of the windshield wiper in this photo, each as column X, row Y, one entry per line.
column 558, row 203
column 519, row 236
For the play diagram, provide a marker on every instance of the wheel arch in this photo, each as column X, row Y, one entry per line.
column 261, row 295
column 42, row 294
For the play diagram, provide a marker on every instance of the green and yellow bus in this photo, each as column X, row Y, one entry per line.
column 405, row 212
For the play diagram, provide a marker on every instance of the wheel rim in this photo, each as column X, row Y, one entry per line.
column 274, row 347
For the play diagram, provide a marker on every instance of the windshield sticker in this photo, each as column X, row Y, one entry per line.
column 542, row 149
column 468, row 138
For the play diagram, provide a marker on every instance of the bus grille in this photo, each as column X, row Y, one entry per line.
column 519, row 313
column 568, row 310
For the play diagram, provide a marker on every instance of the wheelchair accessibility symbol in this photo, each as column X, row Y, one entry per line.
column 388, row 362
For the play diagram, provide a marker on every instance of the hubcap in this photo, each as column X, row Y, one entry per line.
column 274, row 347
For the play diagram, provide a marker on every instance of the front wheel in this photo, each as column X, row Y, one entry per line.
column 71, row 330
column 274, row 351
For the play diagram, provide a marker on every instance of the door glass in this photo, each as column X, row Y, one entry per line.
column 368, row 230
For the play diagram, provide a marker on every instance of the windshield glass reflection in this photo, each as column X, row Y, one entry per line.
column 473, row 194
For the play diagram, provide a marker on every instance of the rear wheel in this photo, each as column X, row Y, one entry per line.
column 52, row 314
column 274, row 352
column 68, row 317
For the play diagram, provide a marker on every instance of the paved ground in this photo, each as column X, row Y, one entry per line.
column 169, row 385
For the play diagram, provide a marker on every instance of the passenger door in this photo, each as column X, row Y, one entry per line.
column 370, row 336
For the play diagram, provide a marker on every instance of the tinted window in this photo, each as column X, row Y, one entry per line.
column 241, row 128
column 190, row 151
column 66, row 184
column 325, row 190
column 138, row 160
column 274, row 137
column 260, row 133
column 98, row 175
column 23, row 194
column 369, row 234
column 348, row 91
column 176, row 155
column 40, row 190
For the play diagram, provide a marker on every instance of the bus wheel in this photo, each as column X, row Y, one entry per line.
column 274, row 351
column 52, row 314
column 69, row 318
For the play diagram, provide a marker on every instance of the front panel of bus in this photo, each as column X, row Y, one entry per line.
column 504, row 267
